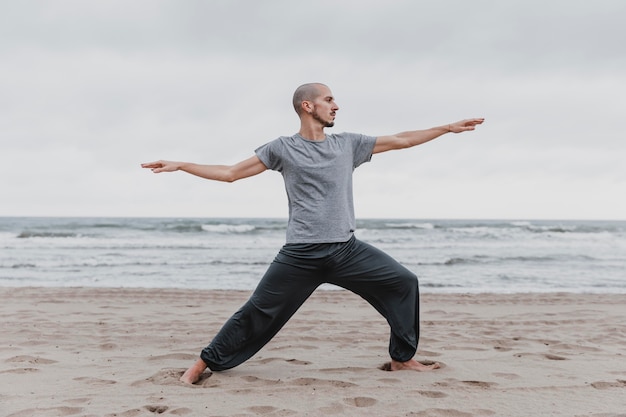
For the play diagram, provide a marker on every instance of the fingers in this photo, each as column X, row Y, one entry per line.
column 156, row 167
column 157, row 164
column 474, row 122
column 465, row 125
column 470, row 124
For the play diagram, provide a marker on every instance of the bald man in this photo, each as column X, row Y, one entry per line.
column 320, row 243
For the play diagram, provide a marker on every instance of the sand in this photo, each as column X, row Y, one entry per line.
column 119, row 352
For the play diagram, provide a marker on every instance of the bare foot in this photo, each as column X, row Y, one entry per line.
column 192, row 375
column 412, row 365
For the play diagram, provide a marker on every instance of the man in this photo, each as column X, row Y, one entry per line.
column 320, row 246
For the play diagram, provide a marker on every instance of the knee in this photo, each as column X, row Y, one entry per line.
column 408, row 276
column 409, row 281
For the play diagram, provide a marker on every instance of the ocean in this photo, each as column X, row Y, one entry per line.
column 460, row 256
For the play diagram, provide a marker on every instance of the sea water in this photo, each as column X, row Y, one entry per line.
column 232, row 253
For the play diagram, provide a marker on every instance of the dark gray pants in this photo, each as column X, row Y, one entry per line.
column 295, row 273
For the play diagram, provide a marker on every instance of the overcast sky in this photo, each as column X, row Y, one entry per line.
column 91, row 89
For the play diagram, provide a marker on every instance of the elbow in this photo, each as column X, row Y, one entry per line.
column 400, row 141
column 404, row 144
column 229, row 176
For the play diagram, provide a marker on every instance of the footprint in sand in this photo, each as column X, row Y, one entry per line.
column 262, row 409
column 31, row 343
column 45, row 412
column 479, row 384
column 82, row 400
column 108, row 346
column 20, row 371
column 31, row 359
column 360, row 401
column 554, row 357
column 255, row 379
column 506, row 375
column 620, row 383
column 502, row 348
column 95, row 381
column 433, row 394
column 156, row 409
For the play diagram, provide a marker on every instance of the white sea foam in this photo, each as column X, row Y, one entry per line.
column 447, row 255
column 228, row 228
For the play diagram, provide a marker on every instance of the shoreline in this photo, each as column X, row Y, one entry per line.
column 425, row 290
column 118, row 352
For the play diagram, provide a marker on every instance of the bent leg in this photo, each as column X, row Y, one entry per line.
column 281, row 291
column 389, row 287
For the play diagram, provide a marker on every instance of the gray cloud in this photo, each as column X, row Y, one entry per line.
column 90, row 89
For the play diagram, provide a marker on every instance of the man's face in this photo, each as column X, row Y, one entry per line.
column 324, row 107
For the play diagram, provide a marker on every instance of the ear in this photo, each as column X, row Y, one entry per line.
column 307, row 106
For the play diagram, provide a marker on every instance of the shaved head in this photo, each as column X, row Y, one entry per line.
column 306, row 92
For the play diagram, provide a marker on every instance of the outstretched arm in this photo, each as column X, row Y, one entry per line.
column 227, row 173
column 417, row 137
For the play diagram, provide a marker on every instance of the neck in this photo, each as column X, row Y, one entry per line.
column 312, row 132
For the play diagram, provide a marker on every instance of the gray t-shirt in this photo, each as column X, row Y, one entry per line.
column 318, row 180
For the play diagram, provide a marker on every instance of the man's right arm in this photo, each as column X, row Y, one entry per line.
column 227, row 173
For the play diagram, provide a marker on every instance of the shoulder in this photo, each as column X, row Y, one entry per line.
column 355, row 139
column 285, row 141
column 278, row 143
column 344, row 135
column 273, row 151
column 350, row 136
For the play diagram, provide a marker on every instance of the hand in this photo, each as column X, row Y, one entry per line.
column 465, row 125
column 162, row 166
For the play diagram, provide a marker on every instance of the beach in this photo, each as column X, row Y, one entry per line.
column 120, row 352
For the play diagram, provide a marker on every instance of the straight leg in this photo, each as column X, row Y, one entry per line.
column 285, row 286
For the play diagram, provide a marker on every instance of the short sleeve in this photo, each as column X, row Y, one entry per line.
column 269, row 154
column 363, row 147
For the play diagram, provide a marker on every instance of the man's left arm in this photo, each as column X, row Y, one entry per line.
column 417, row 137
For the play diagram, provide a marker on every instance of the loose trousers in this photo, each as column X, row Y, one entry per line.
column 295, row 273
